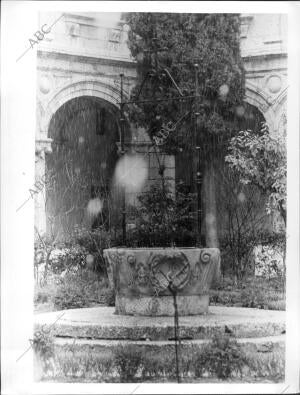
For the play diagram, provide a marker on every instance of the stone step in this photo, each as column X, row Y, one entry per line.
column 86, row 342
column 101, row 323
column 261, row 344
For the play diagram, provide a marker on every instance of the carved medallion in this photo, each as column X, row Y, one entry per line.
column 274, row 83
column 44, row 84
column 169, row 269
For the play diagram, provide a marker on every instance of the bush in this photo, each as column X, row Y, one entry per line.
column 83, row 249
column 127, row 360
column 109, row 297
column 269, row 261
column 69, row 296
column 254, row 292
column 163, row 220
column 43, row 344
column 222, row 357
column 43, row 347
column 94, row 242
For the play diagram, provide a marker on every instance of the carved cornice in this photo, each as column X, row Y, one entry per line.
column 246, row 20
column 42, row 147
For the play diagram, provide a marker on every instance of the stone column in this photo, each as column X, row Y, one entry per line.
column 42, row 147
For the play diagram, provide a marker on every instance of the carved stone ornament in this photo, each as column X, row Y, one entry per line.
column 274, row 83
column 42, row 147
column 173, row 270
column 45, row 84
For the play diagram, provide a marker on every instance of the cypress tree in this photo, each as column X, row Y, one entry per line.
column 170, row 44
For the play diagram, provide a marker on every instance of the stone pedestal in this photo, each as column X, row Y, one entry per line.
column 142, row 277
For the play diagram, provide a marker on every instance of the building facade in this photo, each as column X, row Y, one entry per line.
column 79, row 63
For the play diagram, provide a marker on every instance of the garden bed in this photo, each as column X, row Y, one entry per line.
column 87, row 289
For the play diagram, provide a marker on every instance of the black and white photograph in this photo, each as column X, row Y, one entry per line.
column 156, row 212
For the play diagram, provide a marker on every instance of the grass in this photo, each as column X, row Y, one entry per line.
column 72, row 364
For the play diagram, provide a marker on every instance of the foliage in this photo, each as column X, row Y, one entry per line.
column 127, row 359
column 109, row 297
column 243, row 223
column 155, row 365
column 87, row 363
column 255, row 292
column 56, row 258
column 260, row 159
column 70, row 294
column 211, row 41
column 74, row 290
column 82, row 250
column 269, row 261
column 163, row 219
column 266, row 364
column 222, row 357
column 94, row 242
column 42, row 344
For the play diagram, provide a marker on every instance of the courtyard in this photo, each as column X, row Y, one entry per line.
column 160, row 229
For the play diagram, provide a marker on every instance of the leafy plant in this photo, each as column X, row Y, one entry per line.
column 222, row 357
column 255, row 292
column 260, row 159
column 109, row 297
column 127, row 360
column 42, row 344
column 163, row 219
column 245, row 224
column 43, row 347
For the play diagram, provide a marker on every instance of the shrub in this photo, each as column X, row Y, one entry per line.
column 43, row 347
column 94, row 242
column 269, row 261
column 222, row 357
column 69, row 297
column 163, row 220
column 127, row 360
column 109, row 297
column 76, row 290
column 42, row 344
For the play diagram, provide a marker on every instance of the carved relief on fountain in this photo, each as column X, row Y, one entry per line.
column 142, row 279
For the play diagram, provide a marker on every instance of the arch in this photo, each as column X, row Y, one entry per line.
column 257, row 98
column 280, row 110
column 280, row 100
column 82, row 162
column 91, row 87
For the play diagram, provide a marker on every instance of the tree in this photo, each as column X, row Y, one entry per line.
column 167, row 45
column 260, row 159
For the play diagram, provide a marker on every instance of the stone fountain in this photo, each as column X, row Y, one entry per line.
column 141, row 279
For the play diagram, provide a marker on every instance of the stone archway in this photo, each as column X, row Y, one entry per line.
column 258, row 98
column 97, row 91
column 95, row 88
column 84, row 133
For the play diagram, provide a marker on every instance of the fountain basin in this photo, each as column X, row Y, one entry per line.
column 141, row 279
